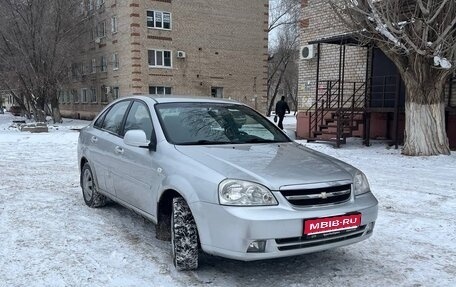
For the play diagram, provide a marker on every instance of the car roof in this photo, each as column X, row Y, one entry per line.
column 184, row 99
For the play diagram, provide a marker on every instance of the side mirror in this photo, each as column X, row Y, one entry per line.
column 291, row 134
column 136, row 138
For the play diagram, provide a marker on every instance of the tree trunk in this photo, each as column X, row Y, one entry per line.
column 56, row 116
column 425, row 132
column 40, row 115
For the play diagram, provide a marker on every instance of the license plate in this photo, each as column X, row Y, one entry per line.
column 331, row 224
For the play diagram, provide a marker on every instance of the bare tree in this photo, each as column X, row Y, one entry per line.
column 38, row 39
column 283, row 13
column 283, row 70
column 420, row 38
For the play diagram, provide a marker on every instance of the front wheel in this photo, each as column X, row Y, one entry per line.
column 184, row 236
column 89, row 189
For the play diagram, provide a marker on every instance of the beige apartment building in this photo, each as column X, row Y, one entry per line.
column 215, row 48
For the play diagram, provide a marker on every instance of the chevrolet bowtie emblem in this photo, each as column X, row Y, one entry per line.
column 323, row 195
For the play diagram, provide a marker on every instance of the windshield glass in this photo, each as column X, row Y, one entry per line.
column 215, row 123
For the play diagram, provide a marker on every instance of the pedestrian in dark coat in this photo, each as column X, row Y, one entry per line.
column 280, row 109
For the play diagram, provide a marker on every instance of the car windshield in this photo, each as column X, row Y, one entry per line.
column 215, row 123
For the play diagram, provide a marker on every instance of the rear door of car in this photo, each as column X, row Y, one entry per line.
column 94, row 153
column 105, row 137
column 138, row 177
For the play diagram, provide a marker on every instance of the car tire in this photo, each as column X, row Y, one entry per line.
column 89, row 188
column 184, row 236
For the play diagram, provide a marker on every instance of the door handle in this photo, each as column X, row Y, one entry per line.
column 94, row 139
column 119, row 150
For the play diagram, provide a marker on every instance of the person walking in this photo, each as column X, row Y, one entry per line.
column 280, row 109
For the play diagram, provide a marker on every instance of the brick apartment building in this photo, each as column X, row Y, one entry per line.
column 339, row 77
column 201, row 48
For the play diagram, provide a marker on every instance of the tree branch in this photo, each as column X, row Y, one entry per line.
column 441, row 38
column 423, row 9
column 437, row 13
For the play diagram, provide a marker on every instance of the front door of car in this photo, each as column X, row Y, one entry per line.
column 138, row 178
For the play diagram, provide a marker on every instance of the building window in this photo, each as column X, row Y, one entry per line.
column 217, row 92
column 103, row 64
column 159, row 20
column 83, row 68
column 67, row 97
column 90, row 5
column 115, row 93
column 115, row 61
column 104, row 94
column 159, row 90
column 100, row 3
column 94, row 66
column 114, row 24
column 93, row 95
column 82, row 8
column 61, row 97
column 74, row 70
column 160, row 58
column 92, row 34
column 88, row 67
column 85, row 96
column 75, row 96
column 101, row 29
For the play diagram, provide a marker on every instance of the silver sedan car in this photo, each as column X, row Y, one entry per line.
column 218, row 176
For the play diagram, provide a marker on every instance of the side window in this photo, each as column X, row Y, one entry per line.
column 139, row 119
column 98, row 123
column 113, row 119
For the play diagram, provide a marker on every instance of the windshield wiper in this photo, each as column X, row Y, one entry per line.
column 259, row 140
column 204, row 142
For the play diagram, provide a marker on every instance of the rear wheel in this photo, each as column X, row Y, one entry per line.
column 89, row 188
column 184, row 236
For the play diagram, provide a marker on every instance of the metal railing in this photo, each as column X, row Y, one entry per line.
column 340, row 98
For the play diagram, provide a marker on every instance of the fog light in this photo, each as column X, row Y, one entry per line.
column 370, row 228
column 256, row 246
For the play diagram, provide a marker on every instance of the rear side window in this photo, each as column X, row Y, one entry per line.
column 113, row 119
column 139, row 119
column 99, row 122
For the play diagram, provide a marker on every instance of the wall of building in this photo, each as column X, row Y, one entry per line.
column 225, row 43
column 319, row 21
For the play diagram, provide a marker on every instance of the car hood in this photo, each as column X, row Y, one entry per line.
column 273, row 165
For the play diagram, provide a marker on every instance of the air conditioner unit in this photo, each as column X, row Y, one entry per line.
column 98, row 40
column 181, row 54
column 307, row 52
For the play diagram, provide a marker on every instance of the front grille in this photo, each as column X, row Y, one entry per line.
column 306, row 241
column 318, row 196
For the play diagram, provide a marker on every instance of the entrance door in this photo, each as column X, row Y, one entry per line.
column 385, row 78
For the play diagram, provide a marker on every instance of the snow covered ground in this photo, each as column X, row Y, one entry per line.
column 48, row 237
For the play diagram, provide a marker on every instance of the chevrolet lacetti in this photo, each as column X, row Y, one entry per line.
column 218, row 176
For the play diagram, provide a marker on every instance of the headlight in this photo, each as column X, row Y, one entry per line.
column 244, row 193
column 360, row 183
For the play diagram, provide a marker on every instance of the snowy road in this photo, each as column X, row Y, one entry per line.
column 48, row 237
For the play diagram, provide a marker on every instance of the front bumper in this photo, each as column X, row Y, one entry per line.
column 228, row 231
